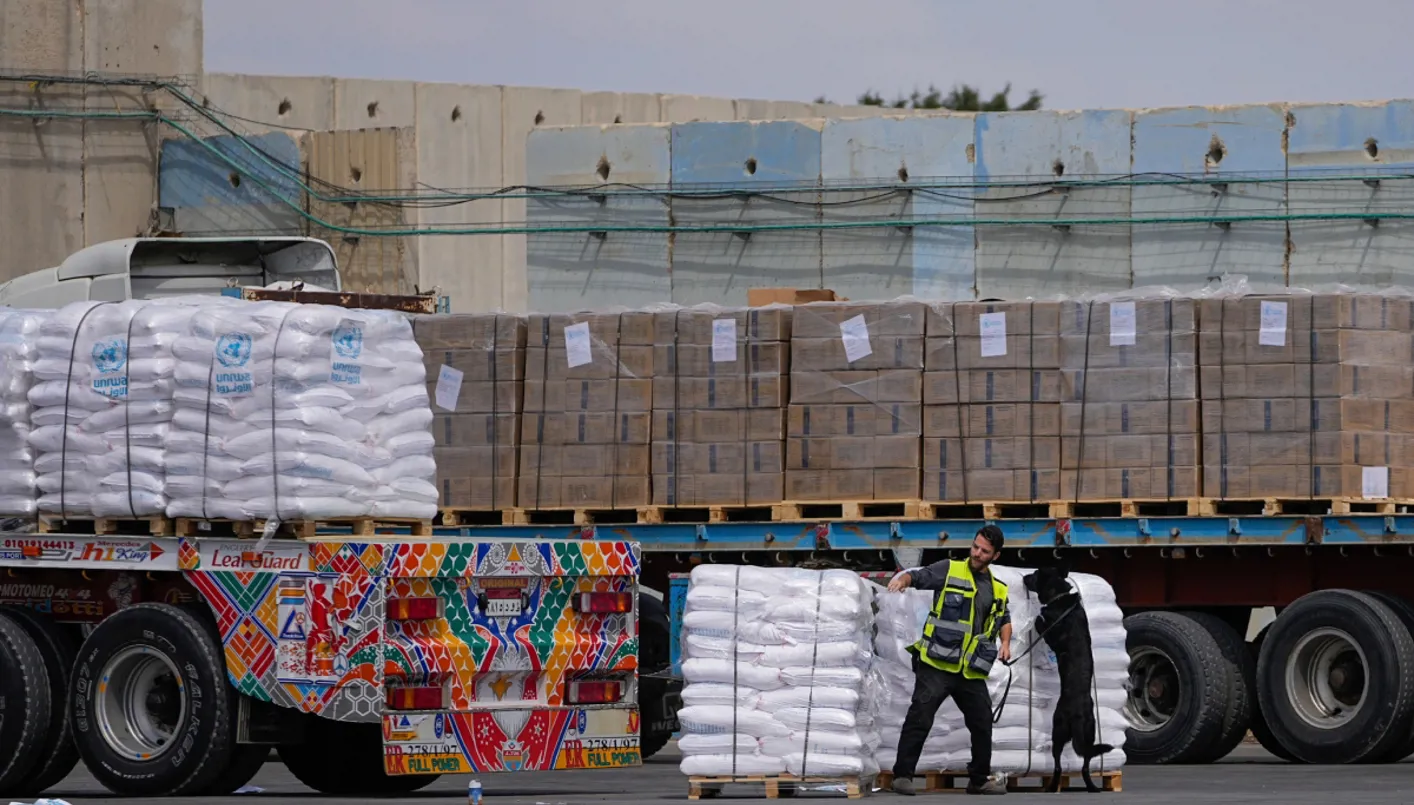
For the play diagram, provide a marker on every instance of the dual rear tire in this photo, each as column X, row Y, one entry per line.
column 1330, row 681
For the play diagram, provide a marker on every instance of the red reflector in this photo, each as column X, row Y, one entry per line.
column 584, row 691
column 31, row 551
column 426, row 698
column 413, row 609
column 598, row 603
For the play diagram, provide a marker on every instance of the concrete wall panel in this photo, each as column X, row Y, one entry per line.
column 459, row 148
column 1020, row 261
column 782, row 158
column 577, row 271
column 780, row 110
column 1351, row 140
column 41, row 162
column 1223, row 141
column 522, row 110
column 209, row 197
column 155, row 37
column 365, row 104
column 692, row 108
column 883, row 262
column 299, row 103
column 620, row 107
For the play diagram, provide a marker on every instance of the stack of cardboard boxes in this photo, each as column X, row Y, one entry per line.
column 719, row 394
column 588, row 402
column 476, row 371
column 991, row 390
column 1129, row 410
column 856, row 393
column 1307, row 396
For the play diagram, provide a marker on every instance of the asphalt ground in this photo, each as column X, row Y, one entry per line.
column 1248, row 775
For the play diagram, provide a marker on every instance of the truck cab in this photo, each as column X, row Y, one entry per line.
column 149, row 268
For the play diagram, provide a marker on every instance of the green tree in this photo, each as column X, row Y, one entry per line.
column 962, row 98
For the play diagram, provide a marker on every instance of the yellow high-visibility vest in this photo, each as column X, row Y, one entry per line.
column 948, row 643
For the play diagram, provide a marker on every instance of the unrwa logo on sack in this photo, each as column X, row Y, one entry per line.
column 110, row 356
column 348, row 341
column 233, row 350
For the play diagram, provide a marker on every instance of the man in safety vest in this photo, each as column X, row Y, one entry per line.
column 968, row 630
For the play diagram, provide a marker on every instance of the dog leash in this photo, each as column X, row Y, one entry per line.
column 1001, row 706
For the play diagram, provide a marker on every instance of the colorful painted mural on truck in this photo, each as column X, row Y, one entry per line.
column 304, row 626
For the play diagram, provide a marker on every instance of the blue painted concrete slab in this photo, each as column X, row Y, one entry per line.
column 1233, row 142
column 782, row 157
column 240, row 191
column 1329, row 140
column 880, row 263
column 1021, row 261
column 577, row 271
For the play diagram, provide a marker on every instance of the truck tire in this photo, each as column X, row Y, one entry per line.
column 1179, row 685
column 25, row 700
column 150, row 705
column 1242, row 692
column 58, row 648
column 346, row 759
column 1260, row 730
column 654, row 656
column 1334, row 678
column 1405, row 612
column 246, row 762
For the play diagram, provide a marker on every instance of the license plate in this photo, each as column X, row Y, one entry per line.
column 503, row 607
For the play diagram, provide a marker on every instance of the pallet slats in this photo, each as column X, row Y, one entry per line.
column 955, row 782
column 103, row 526
column 776, row 785
column 300, row 529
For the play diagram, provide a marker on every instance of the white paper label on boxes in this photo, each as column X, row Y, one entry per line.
column 1122, row 327
column 993, row 329
column 449, row 387
column 855, row 335
column 1273, row 332
column 1374, row 482
column 723, row 340
column 577, row 351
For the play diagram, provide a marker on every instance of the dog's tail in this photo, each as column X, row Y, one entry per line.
column 1099, row 749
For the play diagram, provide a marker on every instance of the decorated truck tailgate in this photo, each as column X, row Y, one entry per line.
column 511, row 656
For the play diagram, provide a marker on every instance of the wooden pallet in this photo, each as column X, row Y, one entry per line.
column 585, row 516
column 712, row 513
column 777, row 785
column 99, row 526
column 299, row 529
column 1270, row 507
column 1125, row 507
column 1024, row 782
column 452, row 518
column 847, row 510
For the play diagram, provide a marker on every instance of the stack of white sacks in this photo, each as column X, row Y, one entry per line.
column 215, row 408
column 19, row 331
column 1021, row 739
column 102, row 406
column 776, row 664
column 289, row 411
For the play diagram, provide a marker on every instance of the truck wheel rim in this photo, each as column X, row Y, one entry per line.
column 141, row 703
column 1325, row 678
column 1154, row 689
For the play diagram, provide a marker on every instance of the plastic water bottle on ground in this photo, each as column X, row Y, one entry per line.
column 473, row 792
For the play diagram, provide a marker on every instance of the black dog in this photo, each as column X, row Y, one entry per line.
column 1066, row 629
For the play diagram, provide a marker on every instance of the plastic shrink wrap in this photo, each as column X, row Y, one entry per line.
column 777, row 673
column 287, row 411
column 19, row 331
column 1021, row 739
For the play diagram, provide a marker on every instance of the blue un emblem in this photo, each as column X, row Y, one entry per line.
column 110, row 356
column 233, row 350
column 348, row 341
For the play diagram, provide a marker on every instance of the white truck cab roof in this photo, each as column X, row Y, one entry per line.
column 148, row 268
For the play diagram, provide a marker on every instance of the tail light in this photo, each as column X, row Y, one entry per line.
column 414, row 609
column 602, row 603
column 595, row 691
column 415, row 698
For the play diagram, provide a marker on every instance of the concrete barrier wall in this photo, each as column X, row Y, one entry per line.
column 1027, row 150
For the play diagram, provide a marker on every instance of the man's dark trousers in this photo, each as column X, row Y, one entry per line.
column 931, row 688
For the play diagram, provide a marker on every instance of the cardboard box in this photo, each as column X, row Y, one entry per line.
column 760, row 297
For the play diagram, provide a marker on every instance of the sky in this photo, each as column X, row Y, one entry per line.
column 1079, row 53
